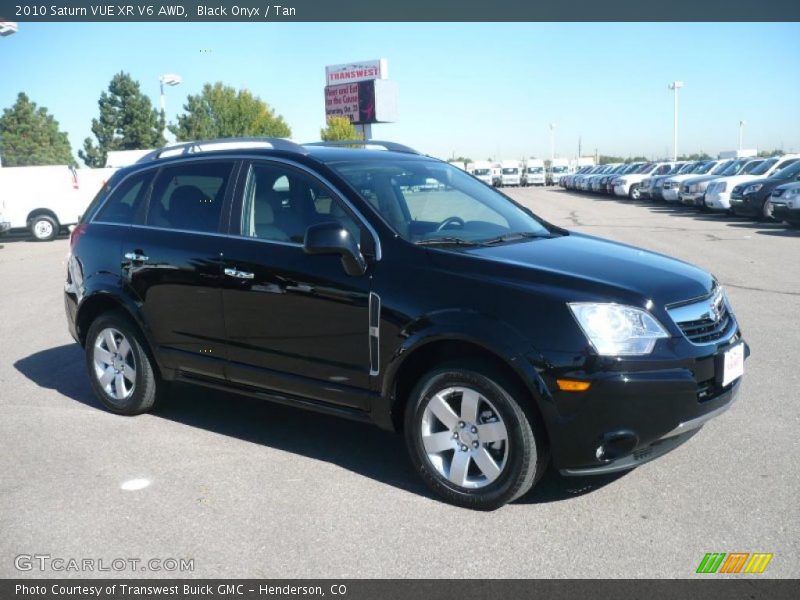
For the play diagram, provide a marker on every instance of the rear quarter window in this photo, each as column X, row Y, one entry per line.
column 127, row 200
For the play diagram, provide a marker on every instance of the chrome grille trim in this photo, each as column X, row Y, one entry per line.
column 704, row 321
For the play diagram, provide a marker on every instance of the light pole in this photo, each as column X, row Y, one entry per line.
column 675, row 86
column 552, row 143
column 742, row 123
column 171, row 80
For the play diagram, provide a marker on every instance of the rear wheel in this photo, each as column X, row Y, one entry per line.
column 120, row 370
column 43, row 228
column 470, row 439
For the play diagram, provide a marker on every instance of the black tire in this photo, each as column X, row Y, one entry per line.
column 526, row 452
column 633, row 193
column 146, row 384
column 766, row 211
column 44, row 228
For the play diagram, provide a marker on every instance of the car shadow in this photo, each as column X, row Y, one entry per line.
column 357, row 447
column 14, row 237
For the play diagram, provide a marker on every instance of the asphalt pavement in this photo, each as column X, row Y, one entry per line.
column 249, row 489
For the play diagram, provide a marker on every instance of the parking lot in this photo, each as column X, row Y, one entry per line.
column 251, row 489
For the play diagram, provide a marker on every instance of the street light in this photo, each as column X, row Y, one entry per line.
column 742, row 123
column 171, row 80
column 675, row 86
column 552, row 142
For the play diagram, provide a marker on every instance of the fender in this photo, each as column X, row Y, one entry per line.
column 107, row 286
column 482, row 330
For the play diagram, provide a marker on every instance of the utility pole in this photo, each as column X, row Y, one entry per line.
column 742, row 123
column 675, row 86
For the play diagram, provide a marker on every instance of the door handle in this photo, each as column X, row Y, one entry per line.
column 136, row 257
column 239, row 274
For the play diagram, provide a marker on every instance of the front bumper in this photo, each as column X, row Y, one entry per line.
column 621, row 190
column 749, row 205
column 718, row 200
column 782, row 212
column 691, row 198
column 670, row 194
column 634, row 411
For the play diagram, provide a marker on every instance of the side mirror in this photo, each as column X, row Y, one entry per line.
column 332, row 238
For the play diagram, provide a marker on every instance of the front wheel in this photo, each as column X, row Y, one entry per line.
column 44, row 228
column 766, row 211
column 470, row 439
column 634, row 192
column 120, row 370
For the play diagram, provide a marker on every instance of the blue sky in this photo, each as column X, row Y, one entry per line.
column 477, row 89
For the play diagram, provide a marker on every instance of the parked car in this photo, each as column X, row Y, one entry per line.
column 558, row 168
column 628, row 185
column 750, row 199
column 718, row 194
column 611, row 181
column 650, row 188
column 305, row 276
column 785, row 201
column 599, row 182
column 670, row 190
column 692, row 190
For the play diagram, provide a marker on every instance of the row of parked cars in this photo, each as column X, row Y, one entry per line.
column 757, row 187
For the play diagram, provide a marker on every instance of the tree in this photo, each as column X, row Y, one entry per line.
column 29, row 135
column 219, row 111
column 339, row 128
column 127, row 121
column 770, row 153
column 607, row 160
column 695, row 157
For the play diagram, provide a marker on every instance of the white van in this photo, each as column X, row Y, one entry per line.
column 482, row 169
column 534, row 172
column 46, row 200
column 559, row 167
column 511, row 172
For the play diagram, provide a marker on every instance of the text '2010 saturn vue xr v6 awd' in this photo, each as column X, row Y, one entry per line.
column 337, row 278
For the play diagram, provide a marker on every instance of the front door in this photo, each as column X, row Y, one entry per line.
column 295, row 323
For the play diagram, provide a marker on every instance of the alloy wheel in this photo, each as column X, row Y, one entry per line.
column 114, row 364
column 464, row 437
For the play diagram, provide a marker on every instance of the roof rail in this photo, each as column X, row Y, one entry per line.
column 216, row 145
column 366, row 144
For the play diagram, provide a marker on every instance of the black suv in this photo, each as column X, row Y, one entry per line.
column 385, row 286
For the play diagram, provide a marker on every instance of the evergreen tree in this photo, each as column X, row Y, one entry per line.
column 127, row 121
column 29, row 135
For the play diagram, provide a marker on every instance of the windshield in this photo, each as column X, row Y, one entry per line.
column 461, row 210
column 687, row 168
column 646, row 168
column 764, row 167
column 720, row 168
column 704, row 168
column 535, row 169
column 510, row 171
column 559, row 169
column 734, row 167
column 751, row 167
column 788, row 172
column 481, row 171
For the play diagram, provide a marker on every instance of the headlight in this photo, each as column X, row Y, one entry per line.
column 752, row 189
column 793, row 193
column 617, row 330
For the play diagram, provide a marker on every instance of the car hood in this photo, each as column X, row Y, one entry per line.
column 681, row 178
column 701, row 179
column 788, row 186
column 584, row 267
column 737, row 179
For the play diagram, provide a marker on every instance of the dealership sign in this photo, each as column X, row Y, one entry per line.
column 357, row 71
column 363, row 102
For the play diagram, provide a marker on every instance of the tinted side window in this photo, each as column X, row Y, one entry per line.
column 280, row 203
column 127, row 199
column 189, row 196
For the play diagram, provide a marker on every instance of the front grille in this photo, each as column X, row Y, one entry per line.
column 705, row 321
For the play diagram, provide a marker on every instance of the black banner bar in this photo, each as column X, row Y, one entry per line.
column 397, row 10
column 741, row 588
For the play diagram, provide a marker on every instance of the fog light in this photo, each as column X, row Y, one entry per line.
column 616, row 445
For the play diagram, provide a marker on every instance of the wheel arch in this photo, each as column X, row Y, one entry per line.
column 415, row 359
column 36, row 212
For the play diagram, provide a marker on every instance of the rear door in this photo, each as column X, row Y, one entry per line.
column 172, row 263
column 295, row 323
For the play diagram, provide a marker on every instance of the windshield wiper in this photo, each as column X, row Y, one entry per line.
column 447, row 241
column 519, row 235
